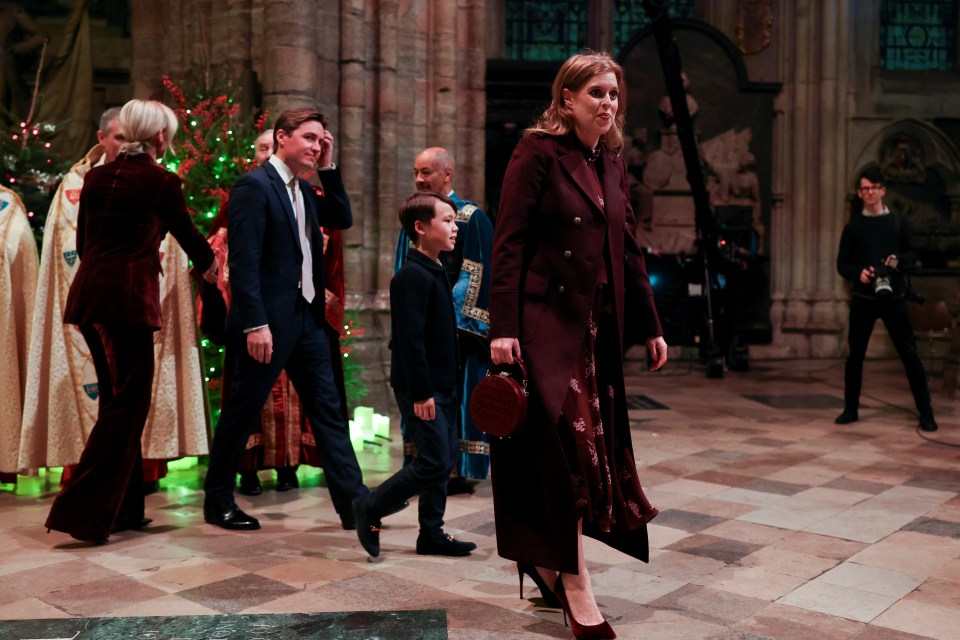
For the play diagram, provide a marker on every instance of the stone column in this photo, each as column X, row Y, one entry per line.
column 472, row 102
column 149, row 27
column 809, row 140
column 290, row 58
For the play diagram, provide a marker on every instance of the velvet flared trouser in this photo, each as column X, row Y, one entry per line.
column 106, row 488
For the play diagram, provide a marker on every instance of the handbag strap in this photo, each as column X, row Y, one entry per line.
column 509, row 371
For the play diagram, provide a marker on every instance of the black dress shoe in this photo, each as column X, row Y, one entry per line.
column 927, row 423
column 287, row 479
column 444, row 545
column 129, row 525
column 846, row 417
column 368, row 526
column 348, row 521
column 249, row 484
column 458, row 485
column 229, row 516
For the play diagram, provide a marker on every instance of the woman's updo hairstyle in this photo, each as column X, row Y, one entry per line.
column 140, row 120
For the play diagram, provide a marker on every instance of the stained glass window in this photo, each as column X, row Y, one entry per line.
column 918, row 36
column 629, row 17
column 545, row 30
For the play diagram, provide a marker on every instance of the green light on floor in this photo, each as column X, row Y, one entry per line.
column 183, row 464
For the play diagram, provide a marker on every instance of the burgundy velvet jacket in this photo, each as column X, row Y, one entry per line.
column 548, row 249
column 126, row 208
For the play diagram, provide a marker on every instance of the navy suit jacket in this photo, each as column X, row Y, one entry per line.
column 265, row 256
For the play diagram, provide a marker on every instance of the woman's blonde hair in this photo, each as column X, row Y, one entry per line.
column 140, row 120
column 574, row 74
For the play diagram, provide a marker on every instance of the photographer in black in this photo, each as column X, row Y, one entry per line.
column 875, row 248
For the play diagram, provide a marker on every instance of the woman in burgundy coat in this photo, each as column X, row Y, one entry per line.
column 126, row 208
column 564, row 257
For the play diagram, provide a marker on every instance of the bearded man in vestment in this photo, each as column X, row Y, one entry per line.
column 18, row 285
column 62, row 406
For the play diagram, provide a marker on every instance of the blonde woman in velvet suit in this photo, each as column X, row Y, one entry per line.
column 126, row 208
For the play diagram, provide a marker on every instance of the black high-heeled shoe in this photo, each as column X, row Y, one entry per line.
column 549, row 598
column 602, row 631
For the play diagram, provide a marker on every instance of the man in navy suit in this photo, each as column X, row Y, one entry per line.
column 277, row 312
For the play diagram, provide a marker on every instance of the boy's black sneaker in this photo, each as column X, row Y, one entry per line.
column 445, row 545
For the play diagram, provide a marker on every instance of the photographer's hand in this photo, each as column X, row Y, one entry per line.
column 867, row 275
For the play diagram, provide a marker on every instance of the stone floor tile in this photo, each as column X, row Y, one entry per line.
column 873, row 632
column 912, row 553
column 935, row 527
column 871, row 579
column 949, row 571
column 753, row 582
column 857, row 486
column 937, row 592
column 186, row 574
column 709, row 605
column 773, row 486
column 818, row 545
column 746, row 496
column 687, row 520
column 746, row 532
column 791, row 563
column 30, row 609
column 791, row 515
column 168, row 605
column 781, row 622
column 713, row 547
column 860, row 523
column 842, row 602
column 920, row 618
column 234, row 595
column 97, row 598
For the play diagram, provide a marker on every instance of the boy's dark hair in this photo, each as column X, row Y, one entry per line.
column 872, row 174
column 420, row 206
column 291, row 119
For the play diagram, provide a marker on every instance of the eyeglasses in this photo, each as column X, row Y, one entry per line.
column 871, row 188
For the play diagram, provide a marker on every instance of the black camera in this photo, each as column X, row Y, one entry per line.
column 882, row 285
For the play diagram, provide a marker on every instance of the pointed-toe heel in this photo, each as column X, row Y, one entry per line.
column 549, row 598
column 602, row 631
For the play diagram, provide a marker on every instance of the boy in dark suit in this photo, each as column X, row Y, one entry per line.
column 424, row 379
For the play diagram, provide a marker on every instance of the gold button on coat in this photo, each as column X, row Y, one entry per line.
column 567, row 254
column 561, row 289
column 577, row 220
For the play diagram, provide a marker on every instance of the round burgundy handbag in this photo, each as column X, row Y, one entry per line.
column 498, row 404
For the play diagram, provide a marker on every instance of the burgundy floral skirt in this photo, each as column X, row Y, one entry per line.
column 606, row 486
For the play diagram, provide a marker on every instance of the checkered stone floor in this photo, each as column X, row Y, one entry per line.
column 775, row 524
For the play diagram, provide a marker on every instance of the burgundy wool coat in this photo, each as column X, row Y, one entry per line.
column 126, row 208
column 547, row 255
